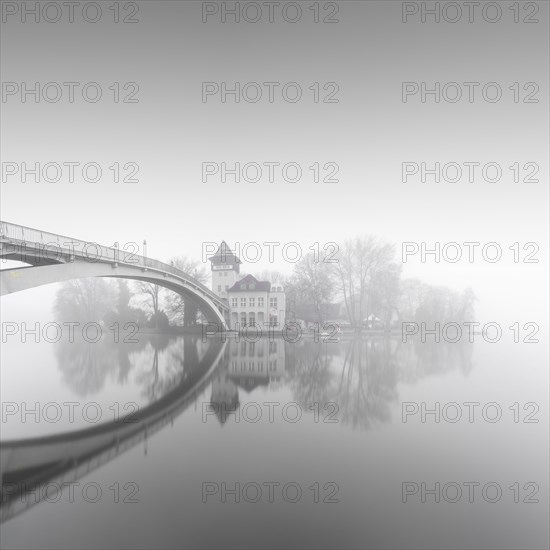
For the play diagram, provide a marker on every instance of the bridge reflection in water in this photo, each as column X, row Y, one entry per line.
column 29, row 465
column 360, row 375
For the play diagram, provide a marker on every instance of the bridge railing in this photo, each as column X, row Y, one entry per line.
column 94, row 252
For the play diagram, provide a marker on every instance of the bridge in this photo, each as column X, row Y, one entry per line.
column 55, row 258
column 29, row 466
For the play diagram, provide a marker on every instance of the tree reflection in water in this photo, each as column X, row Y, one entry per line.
column 159, row 362
column 360, row 375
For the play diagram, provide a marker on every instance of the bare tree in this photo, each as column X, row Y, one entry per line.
column 152, row 295
column 311, row 284
column 181, row 308
column 426, row 303
column 359, row 260
column 272, row 276
column 90, row 299
column 411, row 295
column 385, row 291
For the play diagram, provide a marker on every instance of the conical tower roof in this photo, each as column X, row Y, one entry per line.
column 224, row 255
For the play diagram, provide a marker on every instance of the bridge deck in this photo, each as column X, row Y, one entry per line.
column 37, row 246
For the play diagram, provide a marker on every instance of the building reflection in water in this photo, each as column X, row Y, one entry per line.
column 360, row 375
column 248, row 365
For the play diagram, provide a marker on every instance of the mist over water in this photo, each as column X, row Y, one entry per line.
column 309, row 434
column 364, row 181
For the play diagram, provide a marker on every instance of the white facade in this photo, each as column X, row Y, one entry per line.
column 250, row 301
column 257, row 360
column 256, row 302
column 277, row 299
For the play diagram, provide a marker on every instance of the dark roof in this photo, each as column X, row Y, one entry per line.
column 250, row 281
column 225, row 408
column 225, row 255
column 251, row 383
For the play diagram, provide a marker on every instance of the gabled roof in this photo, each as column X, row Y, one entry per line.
column 224, row 255
column 225, row 408
column 250, row 284
column 249, row 383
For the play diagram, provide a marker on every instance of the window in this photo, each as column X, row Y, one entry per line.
column 243, row 321
column 273, row 302
column 260, row 302
column 251, row 302
column 219, row 288
column 251, row 286
column 251, row 318
column 243, row 302
column 234, row 302
column 243, row 287
column 225, row 273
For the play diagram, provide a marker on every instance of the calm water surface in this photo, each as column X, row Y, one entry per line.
column 175, row 442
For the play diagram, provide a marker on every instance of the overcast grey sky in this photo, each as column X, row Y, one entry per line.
column 369, row 133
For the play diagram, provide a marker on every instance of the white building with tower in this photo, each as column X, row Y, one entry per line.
column 250, row 301
column 225, row 270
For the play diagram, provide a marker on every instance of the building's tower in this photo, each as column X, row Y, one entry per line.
column 225, row 396
column 225, row 270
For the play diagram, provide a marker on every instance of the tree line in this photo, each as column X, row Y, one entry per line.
column 362, row 285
